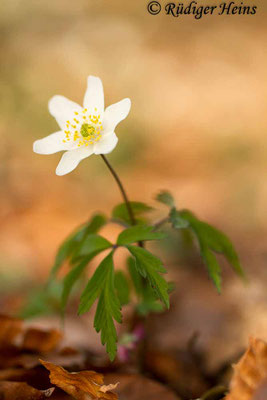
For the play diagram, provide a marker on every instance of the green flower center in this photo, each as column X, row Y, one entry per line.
column 83, row 128
column 88, row 130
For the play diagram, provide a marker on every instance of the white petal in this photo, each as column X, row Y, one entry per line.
column 94, row 95
column 107, row 143
column 71, row 159
column 115, row 114
column 62, row 109
column 51, row 144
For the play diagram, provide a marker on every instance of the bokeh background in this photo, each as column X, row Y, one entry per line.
column 197, row 127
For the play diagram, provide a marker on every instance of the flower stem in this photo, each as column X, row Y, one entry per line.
column 136, row 317
column 122, row 190
column 161, row 222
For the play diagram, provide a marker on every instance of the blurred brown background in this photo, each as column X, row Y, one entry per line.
column 197, row 127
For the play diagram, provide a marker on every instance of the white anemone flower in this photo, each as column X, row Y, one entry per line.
column 84, row 130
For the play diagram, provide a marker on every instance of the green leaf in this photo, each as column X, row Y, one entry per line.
column 69, row 281
column 220, row 243
column 137, row 279
column 149, row 267
column 122, row 287
column 73, row 241
column 139, row 233
column 166, row 198
column 94, row 287
column 171, row 287
column 216, row 393
column 148, row 301
column 120, row 212
column 176, row 220
column 44, row 300
column 91, row 244
column 213, row 266
column 96, row 223
column 211, row 240
column 72, row 277
column 149, row 304
column 108, row 308
column 101, row 286
column 66, row 249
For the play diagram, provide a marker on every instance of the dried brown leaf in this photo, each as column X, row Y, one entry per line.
column 82, row 385
column 108, row 388
column 179, row 370
column 10, row 328
column 22, row 391
column 41, row 341
column 261, row 392
column 138, row 387
column 250, row 372
column 12, row 374
column 37, row 342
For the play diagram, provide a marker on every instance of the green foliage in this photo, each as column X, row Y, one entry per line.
column 120, row 212
column 122, row 287
column 90, row 246
column 72, row 277
column 147, row 299
column 176, row 220
column 150, row 267
column 111, row 289
column 44, row 300
column 73, row 241
column 211, row 241
column 101, row 286
column 92, row 243
column 95, row 224
column 216, row 393
column 80, row 248
column 70, row 280
column 149, row 303
column 139, row 233
column 137, row 280
column 166, row 198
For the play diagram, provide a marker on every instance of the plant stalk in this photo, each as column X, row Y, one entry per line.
column 161, row 222
column 142, row 347
column 122, row 190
